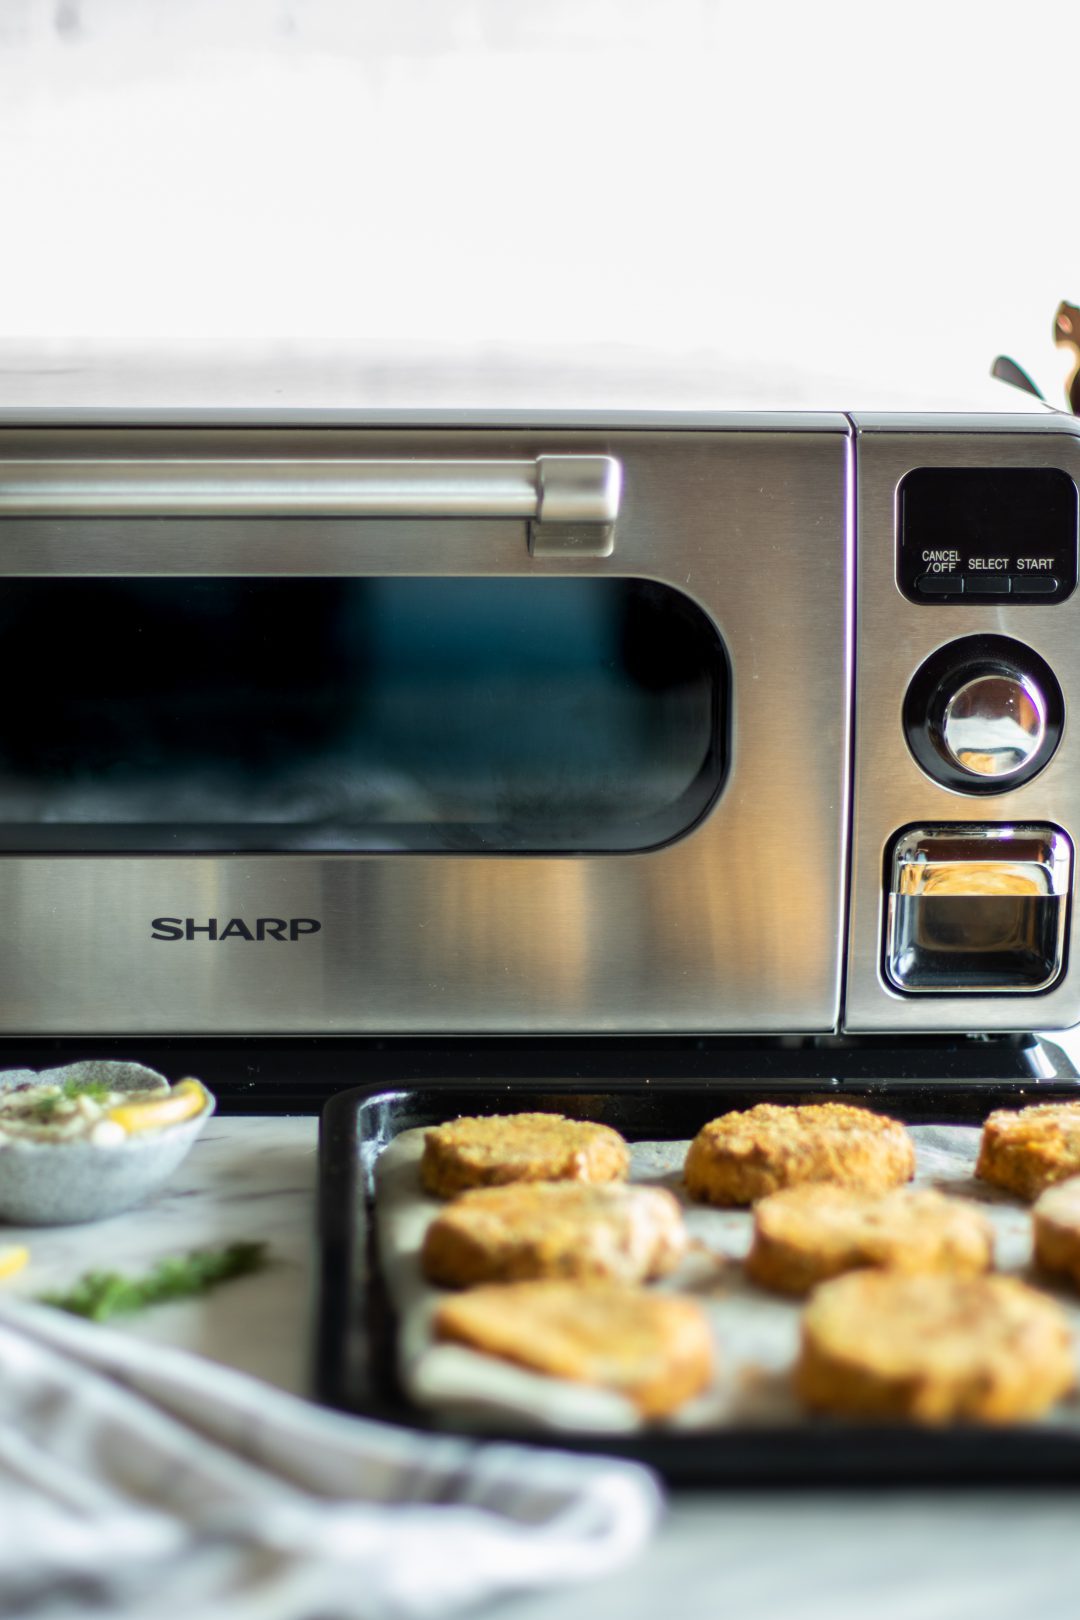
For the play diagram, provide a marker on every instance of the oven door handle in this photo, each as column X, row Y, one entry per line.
column 569, row 502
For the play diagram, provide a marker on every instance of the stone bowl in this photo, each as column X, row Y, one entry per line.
column 63, row 1183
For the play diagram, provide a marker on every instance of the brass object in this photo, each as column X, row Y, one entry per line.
column 1067, row 336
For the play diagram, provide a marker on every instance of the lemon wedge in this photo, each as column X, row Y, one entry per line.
column 183, row 1101
column 13, row 1256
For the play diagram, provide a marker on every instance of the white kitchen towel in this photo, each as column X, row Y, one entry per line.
column 138, row 1481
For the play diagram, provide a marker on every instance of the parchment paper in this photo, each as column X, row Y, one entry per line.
column 756, row 1332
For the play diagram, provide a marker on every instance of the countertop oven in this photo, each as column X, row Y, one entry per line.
column 622, row 725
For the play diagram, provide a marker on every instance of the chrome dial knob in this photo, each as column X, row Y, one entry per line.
column 994, row 724
column 983, row 714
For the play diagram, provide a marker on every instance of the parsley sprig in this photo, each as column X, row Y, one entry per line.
column 44, row 1109
column 101, row 1294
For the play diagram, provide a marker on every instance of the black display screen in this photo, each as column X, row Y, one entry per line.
column 979, row 534
column 355, row 714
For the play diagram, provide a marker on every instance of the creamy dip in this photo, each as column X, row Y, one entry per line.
column 91, row 1111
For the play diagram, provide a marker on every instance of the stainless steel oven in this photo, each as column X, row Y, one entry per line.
column 551, row 726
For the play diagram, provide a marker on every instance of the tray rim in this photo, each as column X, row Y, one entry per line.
column 355, row 1367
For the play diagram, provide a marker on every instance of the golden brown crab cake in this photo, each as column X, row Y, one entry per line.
column 935, row 1349
column 655, row 1349
column 1056, row 1222
column 496, row 1149
column 747, row 1154
column 554, row 1229
column 805, row 1235
column 1027, row 1150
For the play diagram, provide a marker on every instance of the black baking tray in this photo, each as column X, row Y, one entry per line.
column 356, row 1362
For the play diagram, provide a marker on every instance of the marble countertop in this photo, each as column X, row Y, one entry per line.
column 790, row 1555
column 245, row 1179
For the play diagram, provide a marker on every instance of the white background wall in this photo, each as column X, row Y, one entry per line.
column 819, row 203
column 841, row 203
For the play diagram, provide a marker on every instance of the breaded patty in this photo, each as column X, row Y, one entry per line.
column 500, row 1148
column 1027, row 1150
column 1056, row 1219
column 554, row 1229
column 745, row 1155
column 656, row 1349
column 806, row 1234
column 937, row 1349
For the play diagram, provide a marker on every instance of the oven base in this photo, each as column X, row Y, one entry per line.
column 298, row 1074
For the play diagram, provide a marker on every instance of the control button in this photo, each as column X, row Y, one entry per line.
column 995, row 724
column 1033, row 584
column 986, row 584
column 940, row 584
column 977, row 908
column 983, row 714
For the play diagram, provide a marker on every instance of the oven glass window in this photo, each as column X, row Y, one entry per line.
column 478, row 715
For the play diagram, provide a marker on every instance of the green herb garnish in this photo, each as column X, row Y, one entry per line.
column 44, row 1110
column 101, row 1294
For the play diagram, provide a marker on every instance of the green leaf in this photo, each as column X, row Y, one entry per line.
column 44, row 1109
column 101, row 1294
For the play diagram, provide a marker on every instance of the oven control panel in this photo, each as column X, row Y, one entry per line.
column 984, row 535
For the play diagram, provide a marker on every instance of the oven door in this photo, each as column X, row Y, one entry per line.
column 349, row 729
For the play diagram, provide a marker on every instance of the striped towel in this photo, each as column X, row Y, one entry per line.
column 137, row 1480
